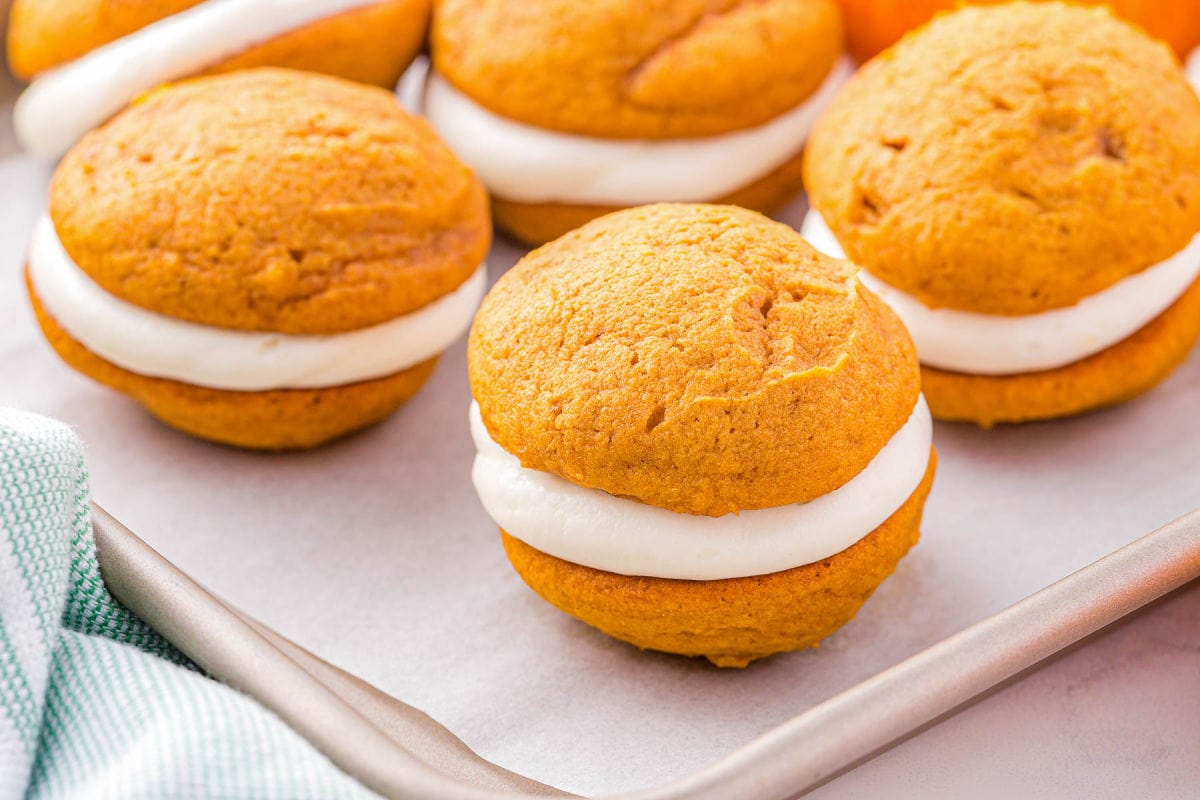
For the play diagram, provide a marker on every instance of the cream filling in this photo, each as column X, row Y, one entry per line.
column 152, row 344
column 1193, row 68
column 63, row 104
column 534, row 165
column 995, row 344
column 598, row 530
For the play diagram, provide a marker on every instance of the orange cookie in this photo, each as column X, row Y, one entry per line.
column 88, row 58
column 267, row 258
column 696, row 432
column 1024, row 208
column 571, row 110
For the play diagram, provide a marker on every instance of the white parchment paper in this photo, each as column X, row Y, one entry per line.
column 374, row 553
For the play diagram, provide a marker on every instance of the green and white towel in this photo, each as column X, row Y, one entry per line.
column 93, row 703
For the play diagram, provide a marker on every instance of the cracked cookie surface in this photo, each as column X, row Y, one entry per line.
column 271, row 200
column 1011, row 159
column 703, row 359
column 635, row 69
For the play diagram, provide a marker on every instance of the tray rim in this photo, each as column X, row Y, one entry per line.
column 787, row 761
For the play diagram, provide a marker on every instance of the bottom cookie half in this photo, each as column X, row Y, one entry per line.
column 282, row 419
column 734, row 621
column 1130, row 367
column 538, row 223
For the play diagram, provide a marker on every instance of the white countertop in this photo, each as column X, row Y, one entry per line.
column 1118, row 717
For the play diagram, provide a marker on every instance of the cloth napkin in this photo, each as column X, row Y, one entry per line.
column 93, row 703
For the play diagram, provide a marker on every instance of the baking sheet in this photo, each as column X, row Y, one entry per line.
column 374, row 553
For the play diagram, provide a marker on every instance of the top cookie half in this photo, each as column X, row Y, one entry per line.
column 702, row 359
column 1011, row 159
column 634, row 69
column 271, row 200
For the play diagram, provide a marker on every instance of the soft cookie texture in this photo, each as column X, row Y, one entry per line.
column 706, row 360
column 698, row 358
column 1011, row 159
column 267, row 200
column 630, row 69
column 372, row 44
column 730, row 622
column 270, row 200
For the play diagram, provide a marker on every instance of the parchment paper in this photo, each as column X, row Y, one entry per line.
column 374, row 553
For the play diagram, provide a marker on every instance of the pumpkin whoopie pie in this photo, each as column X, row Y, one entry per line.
column 88, row 58
column 1022, row 184
column 266, row 258
column 569, row 110
column 697, row 433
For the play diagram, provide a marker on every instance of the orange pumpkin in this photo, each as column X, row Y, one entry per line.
column 872, row 25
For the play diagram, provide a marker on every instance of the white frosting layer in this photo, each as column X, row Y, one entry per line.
column 160, row 346
column 1193, row 68
column 64, row 103
column 534, row 165
column 599, row 530
column 995, row 344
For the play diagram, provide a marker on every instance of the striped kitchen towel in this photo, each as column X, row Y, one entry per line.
column 93, row 703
